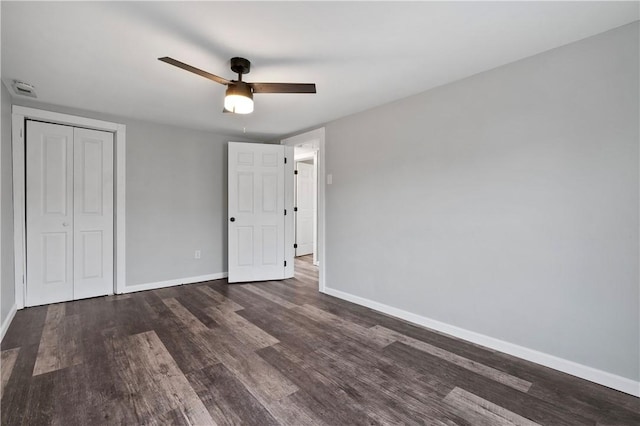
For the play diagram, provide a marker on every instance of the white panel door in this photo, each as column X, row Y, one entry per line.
column 49, row 179
column 69, row 196
column 93, row 213
column 305, row 192
column 256, row 212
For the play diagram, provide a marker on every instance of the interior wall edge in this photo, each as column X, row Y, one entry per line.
column 7, row 321
column 595, row 375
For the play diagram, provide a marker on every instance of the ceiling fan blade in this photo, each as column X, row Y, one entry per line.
column 283, row 87
column 194, row 70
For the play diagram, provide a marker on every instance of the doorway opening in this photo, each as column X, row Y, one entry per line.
column 306, row 273
column 309, row 199
column 306, row 201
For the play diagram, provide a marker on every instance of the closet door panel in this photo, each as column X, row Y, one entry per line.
column 49, row 198
column 93, row 213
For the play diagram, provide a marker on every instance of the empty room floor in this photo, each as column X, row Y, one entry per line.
column 271, row 353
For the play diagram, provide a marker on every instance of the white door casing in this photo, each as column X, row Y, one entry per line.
column 69, row 213
column 256, row 220
column 49, row 213
column 305, row 193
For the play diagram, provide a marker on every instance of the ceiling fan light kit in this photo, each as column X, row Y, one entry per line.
column 239, row 95
column 239, row 98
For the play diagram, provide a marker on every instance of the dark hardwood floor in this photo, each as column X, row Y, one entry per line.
column 271, row 353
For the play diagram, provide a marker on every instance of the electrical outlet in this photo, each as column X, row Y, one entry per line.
column 197, row 255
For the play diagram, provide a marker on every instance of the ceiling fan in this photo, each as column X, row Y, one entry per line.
column 239, row 96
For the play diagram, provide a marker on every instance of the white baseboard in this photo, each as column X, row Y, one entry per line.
column 585, row 372
column 178, row 281
column 7, row 321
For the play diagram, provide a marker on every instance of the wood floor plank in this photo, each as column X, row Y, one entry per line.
column 343, row 309
column 269, row 296
column 239, row 294
column 287, row 412
column 358, row 332
column 65, row 397
column 175, row 417
column 400, row 402
column 16, row 392
column 601, row 404
column 222, row 302
column 156, row 383
column 261, row 379
column 316, row 334
column 226, row 398
column 26, row 328
column 320, row 394
column 124, row 316
column 59, row 346
column 482, row 412
column 492, row 373
column 40, row 401
column 285, row 328
column 7, row 361
column 293, row 294
column 242, row 329
column 196, row 304
column 190, row 350
column 188, row 320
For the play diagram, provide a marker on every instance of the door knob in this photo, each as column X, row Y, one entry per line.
column 232, row 219
column 65, row 224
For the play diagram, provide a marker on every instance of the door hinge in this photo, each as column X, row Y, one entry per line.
column 285, row 263
column 285, row 212
column 295, row 209
column 295, row 172
column 295, row 246
column 20, row 132
column 285, row 160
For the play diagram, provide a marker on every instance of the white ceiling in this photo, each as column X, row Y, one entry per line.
column 103, row 56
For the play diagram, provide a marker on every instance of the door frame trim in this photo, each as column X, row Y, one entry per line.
column 19, row 115
column 313, row 136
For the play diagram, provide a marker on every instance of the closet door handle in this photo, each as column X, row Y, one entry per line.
column 65, row 223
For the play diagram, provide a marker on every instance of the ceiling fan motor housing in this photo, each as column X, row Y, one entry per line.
column 240, row 88
column 240, row 65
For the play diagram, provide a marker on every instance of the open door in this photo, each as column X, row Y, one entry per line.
column 258, row 236
column 305, row 208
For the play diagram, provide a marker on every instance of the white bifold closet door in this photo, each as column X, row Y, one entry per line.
column 69, row 176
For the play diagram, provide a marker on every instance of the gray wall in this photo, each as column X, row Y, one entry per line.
column 176, row 198
column 176, row 203
column 505, row 203
column 7, row 287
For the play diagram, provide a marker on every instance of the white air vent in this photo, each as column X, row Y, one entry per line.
column 24, row 89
